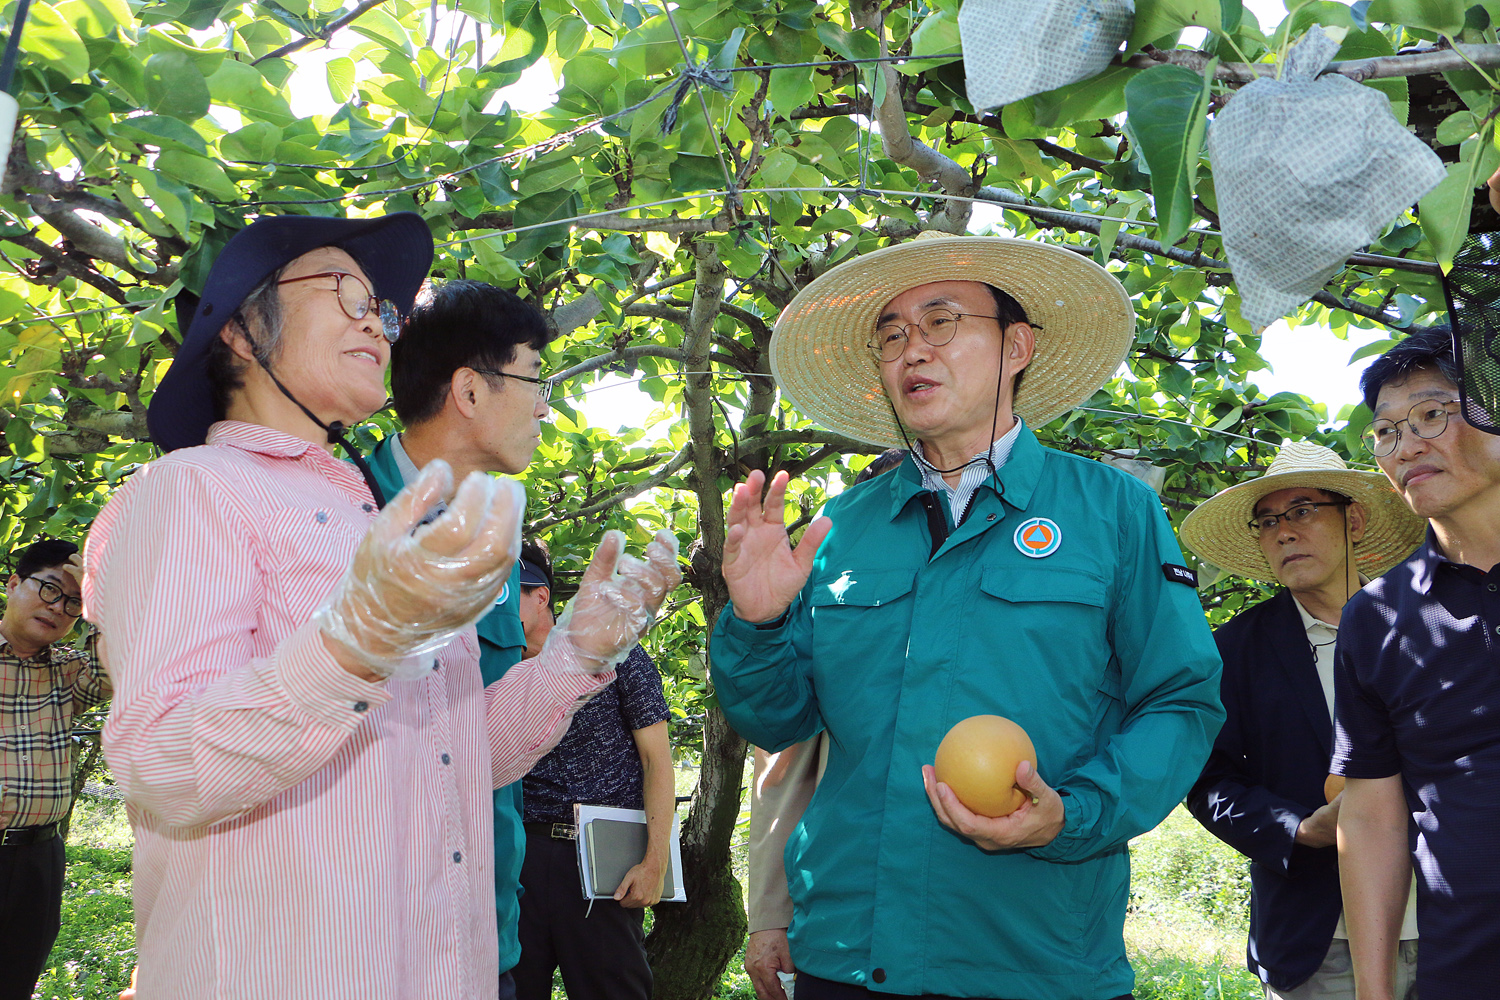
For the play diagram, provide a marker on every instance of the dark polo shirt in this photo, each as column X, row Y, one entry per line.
column 1417, row 689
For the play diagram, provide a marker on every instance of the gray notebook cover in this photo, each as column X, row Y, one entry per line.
column 614, row 847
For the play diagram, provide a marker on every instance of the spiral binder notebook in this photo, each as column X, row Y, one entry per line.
column 611, row 842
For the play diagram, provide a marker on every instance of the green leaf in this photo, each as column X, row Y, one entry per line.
column 1456, row 128
column 175, row 86
column 1167, row 111
column 936, row 35
column 49, row 37
column 96, row 19
column 340, row 70
column 1371, row 349
column 380, row 27
column 1187, row 284
column 255, row 142
column 1101, row 96
column 161, row 132
column 525, row 36
column 1155, row 19
column 1231, row 12
column 1444, row 211
column 198, row 171
column 790, row 89
column 243, row 87
column 1446, row 17
column 833, row 219
column 650, row 49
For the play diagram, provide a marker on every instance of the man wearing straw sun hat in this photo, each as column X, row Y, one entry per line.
column 1319, row 529
column 985, row 575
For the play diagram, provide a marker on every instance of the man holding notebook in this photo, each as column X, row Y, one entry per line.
column 615, row 754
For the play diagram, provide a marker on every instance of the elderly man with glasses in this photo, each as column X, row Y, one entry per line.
column 987, row 575
column 44, row 686
column 1417, row 682
column 1320, row 529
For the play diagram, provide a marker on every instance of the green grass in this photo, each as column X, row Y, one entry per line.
column 1185, row 932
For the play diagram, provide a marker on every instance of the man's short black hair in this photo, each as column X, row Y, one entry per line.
column 1430, row 347
column 1008, row 311
column 884, row 462
column 42, row 555
column 459, row 324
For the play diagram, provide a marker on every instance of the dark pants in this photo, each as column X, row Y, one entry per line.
column 31, row 885
column 813, row 988
column 602, row 955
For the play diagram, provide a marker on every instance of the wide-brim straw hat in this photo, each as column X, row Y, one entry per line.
column 821, row 358
column 1217, row 529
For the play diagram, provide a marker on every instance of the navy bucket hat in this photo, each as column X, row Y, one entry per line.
column 395, row 251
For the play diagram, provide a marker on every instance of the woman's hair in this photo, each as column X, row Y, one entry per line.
column 259, row 319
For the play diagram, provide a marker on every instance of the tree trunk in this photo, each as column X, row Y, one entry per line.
column 690, row 944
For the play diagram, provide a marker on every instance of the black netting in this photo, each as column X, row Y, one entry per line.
column 1473, row 292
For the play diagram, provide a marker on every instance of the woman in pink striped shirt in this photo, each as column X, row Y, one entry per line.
column 308, row 786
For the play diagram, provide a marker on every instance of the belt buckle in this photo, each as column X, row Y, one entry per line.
column 6, row 840
column 564, row 831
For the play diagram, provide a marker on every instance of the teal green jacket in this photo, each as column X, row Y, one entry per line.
column 1106, row 662
column 502, row 644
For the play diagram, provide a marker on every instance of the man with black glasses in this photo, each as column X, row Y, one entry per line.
column 1319, row 529
column 1417, row 728
column 466, row 379
column 43, row 686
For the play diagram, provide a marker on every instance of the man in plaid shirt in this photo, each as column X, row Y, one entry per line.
column 43, row 685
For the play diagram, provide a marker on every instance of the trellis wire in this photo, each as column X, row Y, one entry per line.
column 746, row 376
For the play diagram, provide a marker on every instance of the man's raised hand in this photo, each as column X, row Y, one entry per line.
column 763, row 571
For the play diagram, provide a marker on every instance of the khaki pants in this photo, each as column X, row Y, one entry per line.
column 1334, row 979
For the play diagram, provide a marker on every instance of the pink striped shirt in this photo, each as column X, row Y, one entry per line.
column 299, row 832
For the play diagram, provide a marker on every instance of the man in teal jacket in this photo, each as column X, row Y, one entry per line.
column 987, row 575
column 465, row 377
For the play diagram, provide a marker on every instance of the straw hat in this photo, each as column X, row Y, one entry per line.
column 1216, row 529
column 819, row 352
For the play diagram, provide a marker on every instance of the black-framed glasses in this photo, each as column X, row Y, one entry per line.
column 51, row 593
column 1427, row 419
column 543, row 385
column 1295, row 515
column 938, row 327
column 357, row 301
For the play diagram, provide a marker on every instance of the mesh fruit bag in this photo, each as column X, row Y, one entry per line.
column 1473, row 292
column 1016, row 48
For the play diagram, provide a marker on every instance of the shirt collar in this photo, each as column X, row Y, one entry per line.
column 1425, row 562
column 261, row 439
column 999, row 453
column 1308, row 621
column 404, row 464
column 43, row 655
column 1018, row 477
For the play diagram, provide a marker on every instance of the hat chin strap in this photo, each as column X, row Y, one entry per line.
column 335, row 430
column 987, row 457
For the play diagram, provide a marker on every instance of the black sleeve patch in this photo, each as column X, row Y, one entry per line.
column 1179, row 574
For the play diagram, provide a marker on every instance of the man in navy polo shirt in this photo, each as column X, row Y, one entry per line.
column 1417, row 717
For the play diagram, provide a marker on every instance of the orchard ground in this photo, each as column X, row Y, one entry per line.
column 1185, row 931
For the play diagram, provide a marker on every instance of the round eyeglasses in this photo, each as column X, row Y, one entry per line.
column 1427, row 419
column 51, row 593
column 356, row 299
column 543, row 385
column 938, row 327
column 1265, row 524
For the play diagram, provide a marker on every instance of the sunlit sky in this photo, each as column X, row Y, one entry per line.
column 1309, row 360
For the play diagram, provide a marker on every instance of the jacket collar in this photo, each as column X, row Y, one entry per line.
column 1018, row 477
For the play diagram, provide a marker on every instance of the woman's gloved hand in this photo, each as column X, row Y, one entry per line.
column 408, row 592
column 616, row 602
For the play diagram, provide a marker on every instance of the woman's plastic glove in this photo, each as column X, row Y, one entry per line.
column 409, row 592
column 616, row 602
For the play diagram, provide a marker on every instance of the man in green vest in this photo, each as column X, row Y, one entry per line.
column 985, row 576
column 466, row 379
